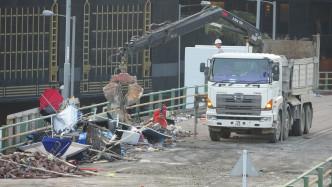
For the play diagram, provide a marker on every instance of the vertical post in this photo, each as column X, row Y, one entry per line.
column 326, row 81
column 3, row 143
column 94, row 111
column 196, row 103
column 72, row 77
column 274, row 19
column 151, row 106
column 23, row 129
column 160, row 98
column 184, row 99
column 172, row 102
column 2, row 134
column 179, row 59
column 41, row 123
column 317, row 60
column 196, row 89
column 320, row 177
column 244, row 172
column 137, row 110
column 306, row 181
column 258, row 13
column 108, row 106
column 66, row 69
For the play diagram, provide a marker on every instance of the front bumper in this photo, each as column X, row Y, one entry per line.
column 240, row 121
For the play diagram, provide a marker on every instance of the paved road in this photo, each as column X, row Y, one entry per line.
column 201, row 162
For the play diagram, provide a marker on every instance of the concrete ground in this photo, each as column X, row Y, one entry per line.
column 201, row 162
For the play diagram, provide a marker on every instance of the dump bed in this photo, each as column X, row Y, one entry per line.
column 300, row 65
column 302, row 76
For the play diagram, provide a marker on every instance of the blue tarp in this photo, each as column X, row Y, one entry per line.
column 55, row 146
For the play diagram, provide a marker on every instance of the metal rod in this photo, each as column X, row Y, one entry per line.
column 274, row 20
column 320, row 176
column 72, row 75
column 179, row 58
column 196, row 105
column 66, row 68
column 258, row 13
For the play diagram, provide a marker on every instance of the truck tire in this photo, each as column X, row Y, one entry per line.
column 287, row 125
column 225, row 133
column 298, row 127
column 308, row 119
column 215, row 135
column 275, row 137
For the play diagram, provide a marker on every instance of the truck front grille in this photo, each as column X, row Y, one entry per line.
column 238, row 104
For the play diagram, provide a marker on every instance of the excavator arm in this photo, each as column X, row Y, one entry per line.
column 173, row 30
column 163, row 33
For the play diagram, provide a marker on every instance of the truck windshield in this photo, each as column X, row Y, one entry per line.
column 240, row 70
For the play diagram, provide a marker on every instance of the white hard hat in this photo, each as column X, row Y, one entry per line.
column 218, row 41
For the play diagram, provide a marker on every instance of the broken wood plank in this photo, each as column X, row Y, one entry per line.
column 115, row 155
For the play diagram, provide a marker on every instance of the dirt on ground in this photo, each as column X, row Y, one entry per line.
column 202, row 162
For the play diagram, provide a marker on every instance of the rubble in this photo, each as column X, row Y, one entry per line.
column 36, row 165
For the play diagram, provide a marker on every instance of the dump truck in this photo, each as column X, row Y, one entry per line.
column 263, row 93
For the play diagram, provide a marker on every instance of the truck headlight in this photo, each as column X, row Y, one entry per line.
column 269, row 105
column 208, row 103
column 209, row 117
column 264, row 119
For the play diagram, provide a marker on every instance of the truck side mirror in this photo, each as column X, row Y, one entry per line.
column 275, row 68
column 202, row 67
column 275, row 71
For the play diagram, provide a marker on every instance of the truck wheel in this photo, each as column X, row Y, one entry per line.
column 215, row 135
column 298, row 127
column 225, row 133
column 287, row 125
column 275, row 137
column 308, row 119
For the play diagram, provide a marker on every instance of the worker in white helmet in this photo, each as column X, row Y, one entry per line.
column 218, row 43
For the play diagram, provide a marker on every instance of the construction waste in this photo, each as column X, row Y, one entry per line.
column 76, row 138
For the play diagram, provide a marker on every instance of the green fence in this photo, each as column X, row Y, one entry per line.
column 314, row 176
column 175, row 101
column 325, row 81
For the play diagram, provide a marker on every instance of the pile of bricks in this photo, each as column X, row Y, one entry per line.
column 35, row 165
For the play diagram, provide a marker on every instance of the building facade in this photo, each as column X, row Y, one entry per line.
column 32, row 47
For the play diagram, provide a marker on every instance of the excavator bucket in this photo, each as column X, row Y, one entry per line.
column 134, row 94
column 113, row 93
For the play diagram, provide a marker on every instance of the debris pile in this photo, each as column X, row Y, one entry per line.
column 91, row 138
column 178, row 131
column 36, row 165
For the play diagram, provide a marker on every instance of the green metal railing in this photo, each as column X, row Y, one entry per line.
column 319, row 180
column 325, row 81
column 154, row 98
